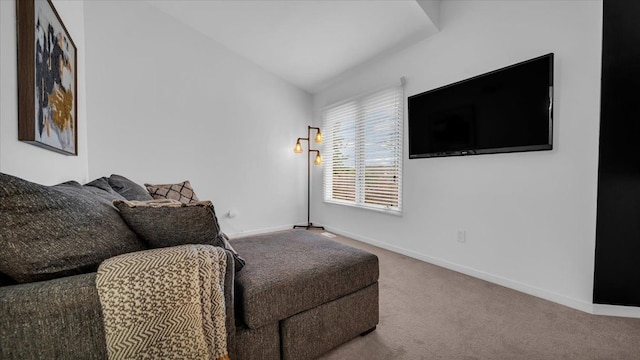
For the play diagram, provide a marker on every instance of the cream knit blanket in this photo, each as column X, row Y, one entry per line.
column 165, row 303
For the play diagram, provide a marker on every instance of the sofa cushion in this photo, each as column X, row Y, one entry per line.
column 296, row 270
column 100, row 187
column 311, row 333
column 164, row 223
column 54, row 231
column 55, row 319
column 258, row 344
column 102, row 183
column 182, row 192
column 128, row 189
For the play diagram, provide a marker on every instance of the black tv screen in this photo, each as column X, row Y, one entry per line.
column 505, row 110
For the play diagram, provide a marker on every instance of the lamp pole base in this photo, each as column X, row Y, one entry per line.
column 308, row 226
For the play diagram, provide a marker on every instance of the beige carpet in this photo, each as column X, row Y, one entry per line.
column 428, row 312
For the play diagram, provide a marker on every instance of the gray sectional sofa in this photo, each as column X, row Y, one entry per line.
column 298, row 296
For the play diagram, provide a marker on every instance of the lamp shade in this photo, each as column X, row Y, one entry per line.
column 318, row 160
column 319, row 137
column 298, row 148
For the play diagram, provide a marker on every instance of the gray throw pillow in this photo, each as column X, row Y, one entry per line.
column 128, row 189
column 103, row 184
column 168, row 222
column 54, row 231
column 101, row 189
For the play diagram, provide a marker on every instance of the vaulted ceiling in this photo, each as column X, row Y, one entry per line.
column 308, row 43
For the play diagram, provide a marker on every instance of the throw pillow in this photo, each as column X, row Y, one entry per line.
column 168, row 222
column 102, row 184
column 100, row 188
column 128, row 189
column 182, row 192
column 55, row 231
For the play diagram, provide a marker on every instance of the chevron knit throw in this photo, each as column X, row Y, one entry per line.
column 165, row 303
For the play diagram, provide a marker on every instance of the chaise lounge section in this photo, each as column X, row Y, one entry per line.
column 316, row 293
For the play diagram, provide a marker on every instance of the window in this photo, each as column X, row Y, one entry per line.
column 363, row 151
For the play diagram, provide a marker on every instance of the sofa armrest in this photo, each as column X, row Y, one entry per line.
column 62, row 318
column 59, row 318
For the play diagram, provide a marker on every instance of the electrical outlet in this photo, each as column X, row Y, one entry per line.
column 461, row 236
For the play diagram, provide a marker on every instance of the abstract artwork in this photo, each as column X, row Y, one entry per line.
column 47, row 78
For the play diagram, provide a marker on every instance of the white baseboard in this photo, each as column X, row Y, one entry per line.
column 515, row 285
column 616, row 310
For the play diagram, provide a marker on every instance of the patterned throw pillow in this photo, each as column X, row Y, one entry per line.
column 168, row 222
column 182, row 192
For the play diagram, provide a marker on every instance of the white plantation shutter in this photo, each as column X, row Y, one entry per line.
column 363, row 150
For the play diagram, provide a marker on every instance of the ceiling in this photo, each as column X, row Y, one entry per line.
column 308, row 43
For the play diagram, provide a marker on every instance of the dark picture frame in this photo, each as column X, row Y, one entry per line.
column 47, row 78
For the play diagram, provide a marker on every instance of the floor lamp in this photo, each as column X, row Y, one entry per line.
column 317, row 161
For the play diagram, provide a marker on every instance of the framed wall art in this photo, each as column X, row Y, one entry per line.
column 47, row 78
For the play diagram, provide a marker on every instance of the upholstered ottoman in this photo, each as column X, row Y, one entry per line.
column 301, row 294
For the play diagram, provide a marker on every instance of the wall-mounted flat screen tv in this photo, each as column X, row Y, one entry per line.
column 506, row 110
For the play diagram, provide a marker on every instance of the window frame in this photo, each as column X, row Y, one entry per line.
column 359, row 102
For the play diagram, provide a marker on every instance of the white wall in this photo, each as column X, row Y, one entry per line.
column 167, row 104
column 22, row 159
column 529, row 217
